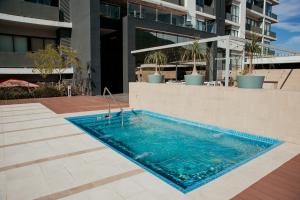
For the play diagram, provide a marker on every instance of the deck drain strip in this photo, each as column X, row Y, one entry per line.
column 26, row 129
column 24, row 164
column 40, row 140
column 91, row 185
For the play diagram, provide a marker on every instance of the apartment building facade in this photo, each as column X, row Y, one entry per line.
column 104, row 32
column 27, row 26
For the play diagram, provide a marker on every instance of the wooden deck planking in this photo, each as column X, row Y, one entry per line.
column 283, row 183
column 62, row 105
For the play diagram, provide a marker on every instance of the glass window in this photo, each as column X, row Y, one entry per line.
column 36, row 44
column 164, row 39
column 20, row 44
column 134, row 10
column 49, row 41
column 164, row 17
column 178, row 20
column 149, row 13
column 6, row 43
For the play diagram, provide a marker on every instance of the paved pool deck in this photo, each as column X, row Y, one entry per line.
column 43, row 156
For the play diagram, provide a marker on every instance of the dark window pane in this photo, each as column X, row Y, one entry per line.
column 49, row 41
column 36, row 44
column 20, row 44
column 134, row 10
column 164, row 17
column 149, row 13
column 145, row 39
column 6, row 43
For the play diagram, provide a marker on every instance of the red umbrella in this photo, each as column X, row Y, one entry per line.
column 17, row 83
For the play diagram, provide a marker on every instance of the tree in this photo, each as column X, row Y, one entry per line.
column 158, row 58
column 252, row 49
column 194, row 52
column 54, row 59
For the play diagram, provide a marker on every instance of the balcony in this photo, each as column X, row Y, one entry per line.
column 271, row 34
column 14, row 60
column 272, row 15
column 208, row 10
column 109, row 11
column 255, row 8
column 232, row 18
column 208, row 26
column 166, row 17
column 253, row 29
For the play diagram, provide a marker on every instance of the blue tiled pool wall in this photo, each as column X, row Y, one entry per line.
column 187, row 122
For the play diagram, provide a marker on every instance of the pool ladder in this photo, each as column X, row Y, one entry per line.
column 106, row 90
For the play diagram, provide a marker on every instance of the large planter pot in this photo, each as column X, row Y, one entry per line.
column 155, row 78
column 250, row 81
column 194, row 79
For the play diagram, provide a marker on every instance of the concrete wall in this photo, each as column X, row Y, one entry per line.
column 271, row 113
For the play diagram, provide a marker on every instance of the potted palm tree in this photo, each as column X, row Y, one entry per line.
column 158, row 58
column 194, row 52
column 247, row 79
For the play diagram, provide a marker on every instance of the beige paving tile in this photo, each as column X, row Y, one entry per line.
column 18, row 118
column 19, row 126
column 25, row 183
column 125, row 188
column 40, row 133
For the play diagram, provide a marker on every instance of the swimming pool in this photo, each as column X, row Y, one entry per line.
column 185, row 154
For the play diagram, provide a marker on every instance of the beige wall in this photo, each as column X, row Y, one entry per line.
column 271, row 113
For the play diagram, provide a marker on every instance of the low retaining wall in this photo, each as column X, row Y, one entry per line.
column 271, row 113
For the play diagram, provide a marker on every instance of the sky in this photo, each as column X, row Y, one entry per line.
column 288, row 28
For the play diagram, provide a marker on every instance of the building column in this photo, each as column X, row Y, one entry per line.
column 86, row 41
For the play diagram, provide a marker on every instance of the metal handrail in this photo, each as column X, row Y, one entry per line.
column 108, row 102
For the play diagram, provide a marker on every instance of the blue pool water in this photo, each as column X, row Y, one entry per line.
column 184, row 154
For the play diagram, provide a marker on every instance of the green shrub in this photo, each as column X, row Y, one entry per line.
column 15, row 93
column 46, row 91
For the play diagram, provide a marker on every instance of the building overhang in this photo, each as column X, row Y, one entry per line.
column 276, row 60
column 27, row 71
column 34, row 21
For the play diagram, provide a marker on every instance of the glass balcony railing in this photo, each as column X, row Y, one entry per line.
column 110, row 11
column 255, row 7
column 272, row 15
column 154, row 14
column 206, row 9
column 271, row 34
column 253, row 29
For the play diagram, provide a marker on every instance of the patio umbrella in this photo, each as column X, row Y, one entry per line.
column 17, row 83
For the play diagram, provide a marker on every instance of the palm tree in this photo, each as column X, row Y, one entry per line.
column 158, row 58
column 252, row 49
column 194, row 52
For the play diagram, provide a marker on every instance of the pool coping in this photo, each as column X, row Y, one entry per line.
column 274, row 143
